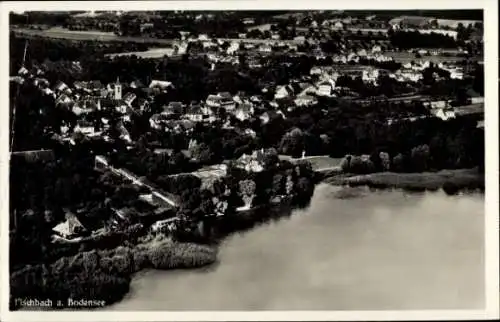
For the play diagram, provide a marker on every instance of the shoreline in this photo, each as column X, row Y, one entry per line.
column 116, row 268
column 451, row 181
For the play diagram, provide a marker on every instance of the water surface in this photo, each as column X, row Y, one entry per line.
column 360, row 250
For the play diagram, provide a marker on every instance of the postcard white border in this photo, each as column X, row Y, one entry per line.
column 492, row 183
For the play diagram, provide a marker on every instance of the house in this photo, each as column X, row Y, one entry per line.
column 316, row 71
column 284, row 91
column 101, row 162
column 161, row 85
column 48, row 91
column 445, row 113
column 41, row 82
column 244, row 111
column 326, row 88
column 249, row 21
column 437, row 104
column 477, row 100
column 121, row 107
column 223, row 99
column 85, row 106
column 305, row 100
column 143, row 104
column 194, row 113
column 124, row 133
column 338, row 25
column 23, row 71
column 165, row 225
column 136, row 84
column 370, row 75
column 157, row 121
column 129, row 98
column 265, row 48
column 84, row 127
column 16, row 79
column 268, row 115
column 376, row 49
column 250, row 133
column 126, row 214
column 352, row 57
column 64, row 99
column 174, row 108
column 403, row 75
column 71, row 228
column 457, row 73
column 362, row 53
column 61, row 87
column 251, row 163
column 233, row 47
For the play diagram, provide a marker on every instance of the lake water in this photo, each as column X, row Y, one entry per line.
column 365, row 251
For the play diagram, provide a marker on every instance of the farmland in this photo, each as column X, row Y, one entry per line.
column 151, row 53
column 60, row 33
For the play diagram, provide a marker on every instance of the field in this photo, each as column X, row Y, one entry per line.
column 60, row 33
column 151, row 53
column 463, row 178
column 319, row 163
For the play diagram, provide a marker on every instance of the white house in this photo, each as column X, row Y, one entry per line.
column 445, row 113
column 194, row 113
column 477, row 100
column 244, row 111
column 326, row 88
column 129, row 98
column 376, row 49
column 283, row 92
column 370, row 76
column 305, row 100
column 233, row 47
column 338, row 25
column 456, row 74
column 362, row 53
column 223, row 99
column 84, row 127
column 23, row 71
column 163, row 85
column 316, row 71
column 265, row 48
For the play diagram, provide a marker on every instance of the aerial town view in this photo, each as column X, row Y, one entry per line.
column 246, row 160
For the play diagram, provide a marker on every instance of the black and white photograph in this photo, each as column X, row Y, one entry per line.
column 217, row 158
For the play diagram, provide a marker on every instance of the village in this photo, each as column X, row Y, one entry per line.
column 144, row 139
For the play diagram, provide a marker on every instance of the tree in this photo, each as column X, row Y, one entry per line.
column 420, row 157
column 247, row 191
column 292, row 143
column 278, row 184
column 398, row 163
column 385, row 160
column 345, row 164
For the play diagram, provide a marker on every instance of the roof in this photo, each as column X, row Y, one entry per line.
column 136, row 84
column 225, row 96
column 194, row 109
column 160, row 84
column 245, row 107
column 174, row 107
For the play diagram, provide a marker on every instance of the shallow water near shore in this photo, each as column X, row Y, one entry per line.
column 349, row 250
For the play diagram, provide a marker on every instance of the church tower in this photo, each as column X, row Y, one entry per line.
column 118, row 90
